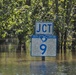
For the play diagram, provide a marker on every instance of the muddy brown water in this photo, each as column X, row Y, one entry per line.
column 12, row 63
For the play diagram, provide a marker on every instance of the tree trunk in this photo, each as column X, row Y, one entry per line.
column 67, row 23
column 74, row 34
column 57, row 29
column 21, row 44
column 67, row 20
column 24, row 46
column 65, row 40
column 62, row 37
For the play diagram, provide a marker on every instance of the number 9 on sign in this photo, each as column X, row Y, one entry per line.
column 43, row 47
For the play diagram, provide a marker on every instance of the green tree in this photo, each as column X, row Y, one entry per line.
column 18, row 17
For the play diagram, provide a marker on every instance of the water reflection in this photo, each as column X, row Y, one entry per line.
column 43, row 68
column 24, row 64
column 67, row 68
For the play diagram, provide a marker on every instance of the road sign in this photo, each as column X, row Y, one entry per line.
column 44, row 28
column 43, row 45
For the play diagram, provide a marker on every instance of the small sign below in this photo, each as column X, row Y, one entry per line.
column 44, row 28
column 43, row 45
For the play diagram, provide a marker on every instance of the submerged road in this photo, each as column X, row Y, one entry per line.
column 21, row 64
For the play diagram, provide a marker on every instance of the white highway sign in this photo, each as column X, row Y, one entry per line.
column 44, row 28
column 43, row 45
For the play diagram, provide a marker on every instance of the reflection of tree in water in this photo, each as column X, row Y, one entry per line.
column 66, row 68
column 68, row 56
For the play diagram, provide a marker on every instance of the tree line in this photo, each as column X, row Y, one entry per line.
column 18, row 17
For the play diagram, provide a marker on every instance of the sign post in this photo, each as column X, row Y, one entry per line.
column 43, row 43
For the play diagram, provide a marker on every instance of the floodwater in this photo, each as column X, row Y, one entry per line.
column 12, row 63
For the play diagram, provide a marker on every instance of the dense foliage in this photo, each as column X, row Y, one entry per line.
column 18, row 17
